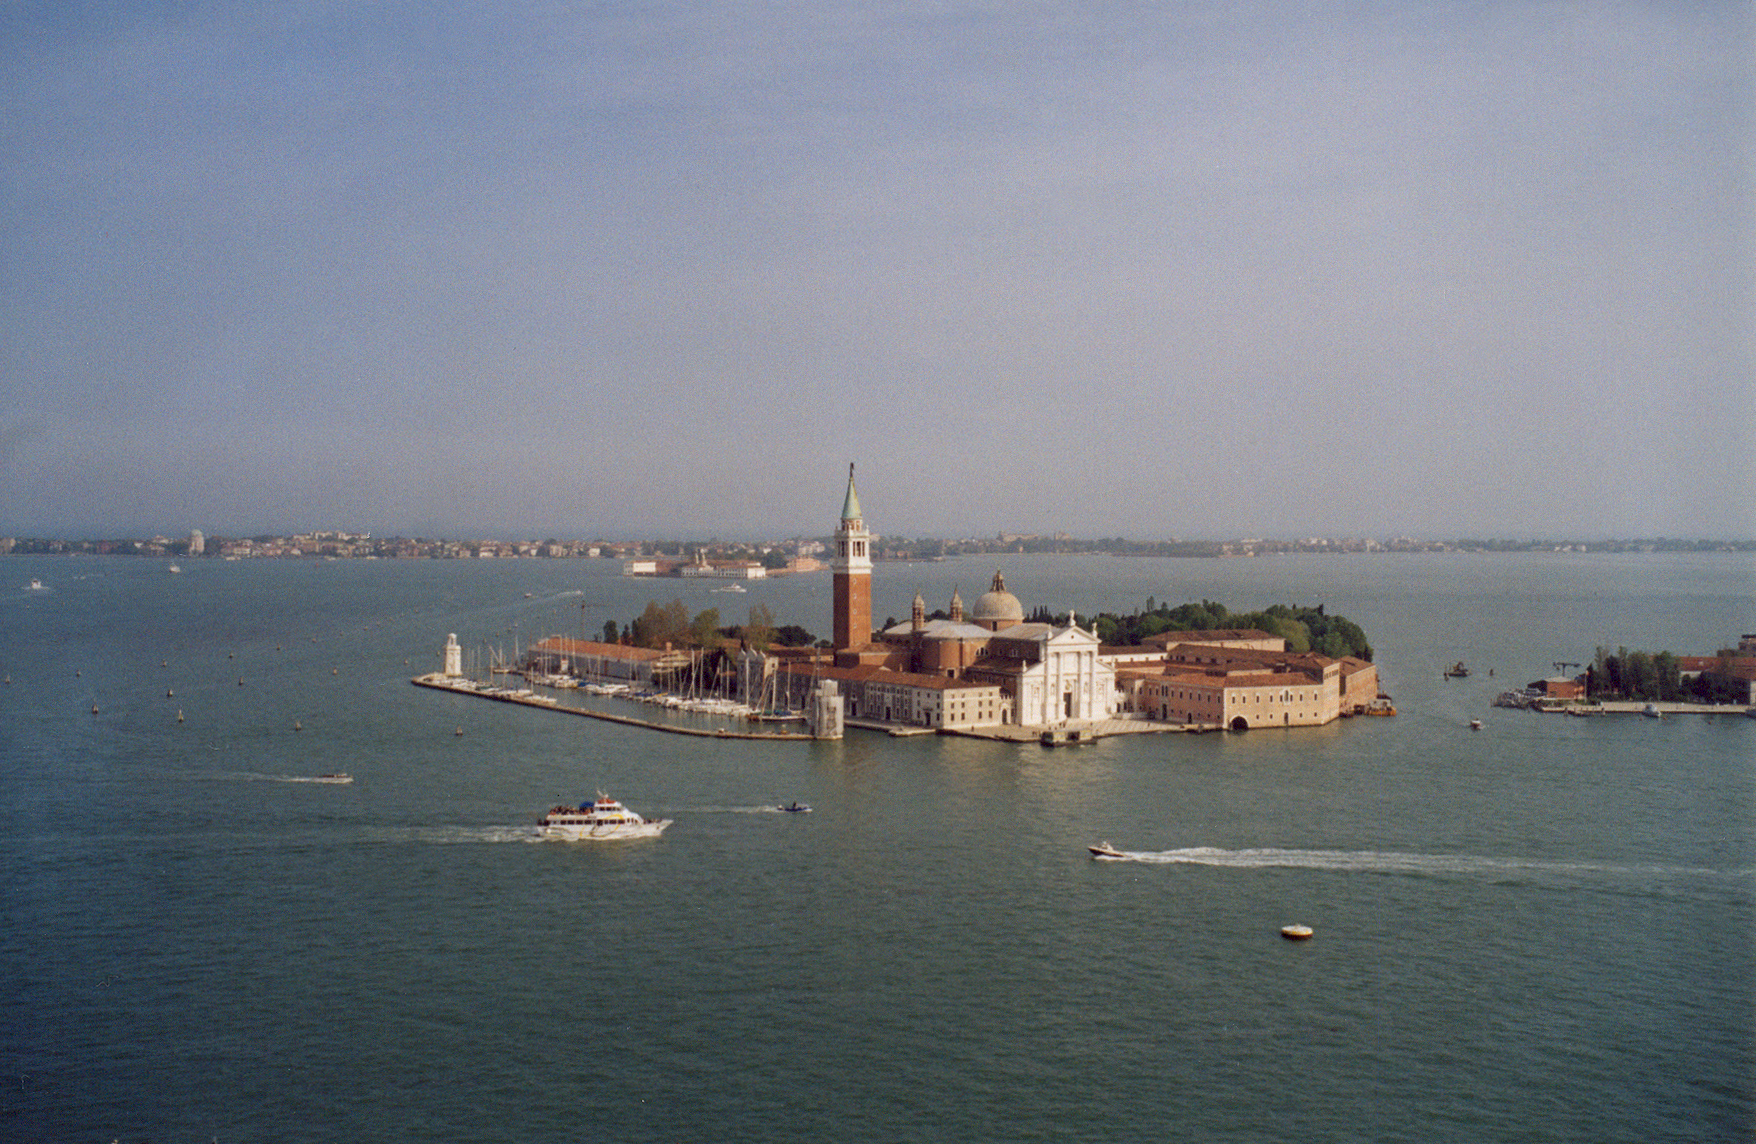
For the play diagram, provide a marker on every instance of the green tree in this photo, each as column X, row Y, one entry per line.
column 1668, row 680
column 1642, row 676
column 759, row 628
column 657, row 626
column 704, row 629
column 676, row 629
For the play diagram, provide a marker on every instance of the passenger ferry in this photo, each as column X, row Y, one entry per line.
column 599, row 821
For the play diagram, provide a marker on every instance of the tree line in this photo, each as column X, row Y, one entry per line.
column 1656, row 677
column 1305, row 629
column 672, row 625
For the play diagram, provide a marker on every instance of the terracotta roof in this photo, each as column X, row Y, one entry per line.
column 1211, row 635
column 870, row 673
column 1738, row 667
column 565, row 645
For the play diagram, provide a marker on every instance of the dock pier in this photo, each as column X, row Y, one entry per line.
column 458, row 686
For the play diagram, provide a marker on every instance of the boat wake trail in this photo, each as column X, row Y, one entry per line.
column 770, row 809
column 251, row 777
column 456, row 835
column 1433, row 865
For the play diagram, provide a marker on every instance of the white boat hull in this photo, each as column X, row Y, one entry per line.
column 603, row 831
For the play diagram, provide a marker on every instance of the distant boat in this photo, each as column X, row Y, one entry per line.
column 1297, row 932
column 1651, row 711
column 174, row 568
column 335, row 777
column 1457, row 671
column 796, row 808
column 35, row 586
column 1105, row 850
column 1475, row 724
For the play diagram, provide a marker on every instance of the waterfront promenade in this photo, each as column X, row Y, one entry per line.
column 1636, row 707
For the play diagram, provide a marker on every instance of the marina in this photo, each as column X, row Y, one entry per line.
column 524, row 697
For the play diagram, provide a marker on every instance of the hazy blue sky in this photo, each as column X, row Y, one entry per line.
column 1149, row 269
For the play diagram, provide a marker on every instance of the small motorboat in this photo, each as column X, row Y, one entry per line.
column 796, row 808
column 1105, row 850
column 1475, row 724
column 333, row 776
column 1297, row 932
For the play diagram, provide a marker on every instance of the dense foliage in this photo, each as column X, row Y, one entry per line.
column 1304, row 629
column 1654, row 677
column 672, row 625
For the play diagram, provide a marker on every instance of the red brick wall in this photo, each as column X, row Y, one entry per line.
column 853, row 610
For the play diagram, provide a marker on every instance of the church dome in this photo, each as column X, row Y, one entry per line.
column 997, row 605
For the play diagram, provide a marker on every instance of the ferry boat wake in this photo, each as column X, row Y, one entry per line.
column 1467, row 866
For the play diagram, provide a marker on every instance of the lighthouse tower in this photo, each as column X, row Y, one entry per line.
column 853, row 575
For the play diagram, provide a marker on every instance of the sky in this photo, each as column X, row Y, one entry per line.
column 1200, row 270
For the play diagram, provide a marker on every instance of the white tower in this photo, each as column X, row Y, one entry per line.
column 453, row 656
column 827, row 710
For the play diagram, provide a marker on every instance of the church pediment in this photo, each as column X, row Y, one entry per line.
column 1072, row 637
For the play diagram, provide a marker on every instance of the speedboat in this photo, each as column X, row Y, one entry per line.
column 335, row 777
column 1651, row 711
column 1475, row 724
column 599, row 821
column 797, row 808
column 1105, row 850
column 35, row 585
column 1297, row 932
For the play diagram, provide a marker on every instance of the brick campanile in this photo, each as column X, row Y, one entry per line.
column 853, row 575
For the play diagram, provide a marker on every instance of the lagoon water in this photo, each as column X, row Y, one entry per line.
column 1541, row 931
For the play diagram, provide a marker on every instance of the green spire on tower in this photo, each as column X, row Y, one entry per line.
column 850, row 508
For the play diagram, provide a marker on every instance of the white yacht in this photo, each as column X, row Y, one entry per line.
column 599, row 821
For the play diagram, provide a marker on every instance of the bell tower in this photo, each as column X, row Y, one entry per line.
column 853, row 575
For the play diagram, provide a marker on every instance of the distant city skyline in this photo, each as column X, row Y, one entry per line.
column 1203, row 271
